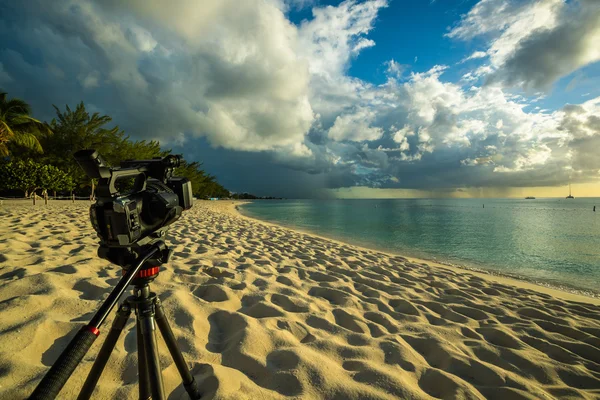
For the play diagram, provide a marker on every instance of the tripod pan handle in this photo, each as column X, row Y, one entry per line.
column 62, row 369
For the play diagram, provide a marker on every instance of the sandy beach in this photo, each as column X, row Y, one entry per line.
column 265, row 312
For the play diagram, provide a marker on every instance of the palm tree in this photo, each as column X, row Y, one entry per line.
column 17, row 126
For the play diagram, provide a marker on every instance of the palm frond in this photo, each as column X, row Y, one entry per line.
column 26, row 119
column 15, row 108
column 5, row 131
column 29, row 140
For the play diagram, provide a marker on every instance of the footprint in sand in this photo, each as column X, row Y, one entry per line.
column 65, row 269
column 89, row 291
column 211, row 293
column 295, row 306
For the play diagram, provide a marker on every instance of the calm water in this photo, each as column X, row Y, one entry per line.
column 556, row 241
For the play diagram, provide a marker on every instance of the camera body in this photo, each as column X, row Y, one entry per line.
column 135, row 203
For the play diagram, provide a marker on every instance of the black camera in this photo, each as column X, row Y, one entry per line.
column 135, row 203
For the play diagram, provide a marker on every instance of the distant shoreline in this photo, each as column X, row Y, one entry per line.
column 565, row 291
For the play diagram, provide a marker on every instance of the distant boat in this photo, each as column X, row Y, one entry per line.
column 569, row 196
column 529, row 198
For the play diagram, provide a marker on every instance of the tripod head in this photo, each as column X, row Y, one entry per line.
column 136, row 204
column 127, row 257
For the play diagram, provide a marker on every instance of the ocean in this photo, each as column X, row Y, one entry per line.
column 555, row 242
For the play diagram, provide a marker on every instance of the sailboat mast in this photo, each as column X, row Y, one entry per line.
column 570, row 196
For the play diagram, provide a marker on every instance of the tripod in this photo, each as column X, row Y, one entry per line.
column 149, row 314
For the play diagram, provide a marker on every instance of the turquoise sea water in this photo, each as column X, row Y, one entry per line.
column 553, row 241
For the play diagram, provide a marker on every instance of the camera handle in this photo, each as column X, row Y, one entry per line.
column 59, row 373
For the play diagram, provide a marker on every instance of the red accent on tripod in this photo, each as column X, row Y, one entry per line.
column 93, row 329
column 145, row 273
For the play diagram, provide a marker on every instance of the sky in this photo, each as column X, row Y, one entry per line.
column 314, row 98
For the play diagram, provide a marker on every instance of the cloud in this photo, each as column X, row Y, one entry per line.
column 89, row 80
column 453, row 136
column 547, row 55
column 267, row 102
column 297, row 4
column 335, row 34
column 329, row 42
column 4, row 76
column 476, row 55
column 355, row 127
column 533, row 43
column 582, row 123
column 401, row 137
column 394, row 69
column 220, row 69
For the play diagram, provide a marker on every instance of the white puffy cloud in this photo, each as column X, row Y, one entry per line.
column 507, row 18
column 481, row 128
column 582, row 125
column 355, row 127
column 328, row 42
column 395, row 69
column 401, row 137
column 532, row 158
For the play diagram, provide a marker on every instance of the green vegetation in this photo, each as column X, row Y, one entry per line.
column 29, row 176
column 24, row 139
column 17, row 126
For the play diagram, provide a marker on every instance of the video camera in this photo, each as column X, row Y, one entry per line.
column 135, row 204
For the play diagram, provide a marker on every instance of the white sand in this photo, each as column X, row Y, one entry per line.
column 265, row 312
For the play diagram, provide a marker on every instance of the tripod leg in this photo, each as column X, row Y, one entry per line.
column 144, row 385
column 104, row 353
column 188, row 380
column 147, row 323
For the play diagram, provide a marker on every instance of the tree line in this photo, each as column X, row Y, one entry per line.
column 37, row 156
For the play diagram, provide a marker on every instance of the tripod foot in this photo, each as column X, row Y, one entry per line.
column 192, row 390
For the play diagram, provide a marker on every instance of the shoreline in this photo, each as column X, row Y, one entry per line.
column 565, row 292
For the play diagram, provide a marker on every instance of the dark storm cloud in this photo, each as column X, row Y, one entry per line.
column 549, row 54
column 233, row 91
column 257, row 172
column 532, row 43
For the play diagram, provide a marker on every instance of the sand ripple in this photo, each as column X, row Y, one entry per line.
column 265, row 312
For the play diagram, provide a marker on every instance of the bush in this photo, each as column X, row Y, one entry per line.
column 29, row 176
